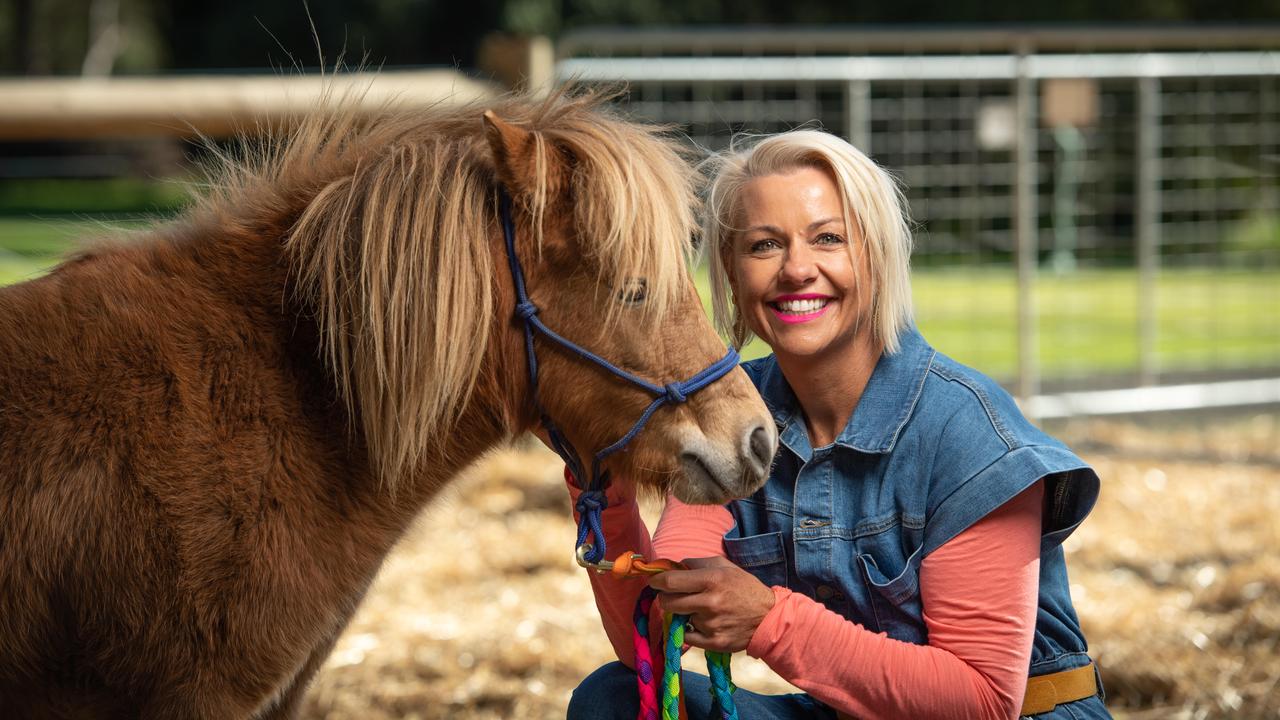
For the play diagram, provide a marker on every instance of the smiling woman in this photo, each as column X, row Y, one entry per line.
column 794, row 275
column 847, row 203
column 904, row 557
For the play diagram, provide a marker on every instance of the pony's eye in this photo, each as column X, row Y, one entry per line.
column 633, row 291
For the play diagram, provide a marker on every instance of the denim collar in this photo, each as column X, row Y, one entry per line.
column 884, row 408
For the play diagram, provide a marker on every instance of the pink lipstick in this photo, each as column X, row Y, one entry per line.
column 800, row 308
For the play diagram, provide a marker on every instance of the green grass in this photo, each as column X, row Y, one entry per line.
column 29, row 247
column 45, row 196
column 42, row 219
column 1088, row 321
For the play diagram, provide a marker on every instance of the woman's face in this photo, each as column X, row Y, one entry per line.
column 790, row 265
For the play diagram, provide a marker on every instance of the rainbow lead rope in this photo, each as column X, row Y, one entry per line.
column 722, row 686
column 662, row 701
column 645, row 681
column 666, row 698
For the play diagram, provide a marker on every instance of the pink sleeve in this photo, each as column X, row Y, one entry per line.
column 684, row 531
column 979, row 593
column 691, row 531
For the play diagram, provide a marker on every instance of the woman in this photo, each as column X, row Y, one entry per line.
column 904, row 559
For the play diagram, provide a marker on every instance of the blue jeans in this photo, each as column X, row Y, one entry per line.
column 610, row 693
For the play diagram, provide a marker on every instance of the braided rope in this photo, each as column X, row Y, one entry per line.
column 671, row 667
column 646, row 682
column 667, row 696
column 722, row 686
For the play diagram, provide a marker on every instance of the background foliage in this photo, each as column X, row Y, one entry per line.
column 40, row 37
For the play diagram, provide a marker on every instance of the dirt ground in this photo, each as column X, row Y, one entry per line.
column 481, row 613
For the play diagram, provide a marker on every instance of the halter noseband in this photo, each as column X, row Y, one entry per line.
column 592, row 500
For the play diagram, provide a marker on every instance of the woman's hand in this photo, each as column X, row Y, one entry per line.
column 725, row 603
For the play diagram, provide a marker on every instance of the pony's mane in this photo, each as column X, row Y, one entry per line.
column 388, row 236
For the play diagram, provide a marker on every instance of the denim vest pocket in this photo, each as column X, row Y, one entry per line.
column 896, row 601
column 764, row 556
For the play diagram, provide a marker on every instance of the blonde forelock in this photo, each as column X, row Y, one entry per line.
column 390, row 240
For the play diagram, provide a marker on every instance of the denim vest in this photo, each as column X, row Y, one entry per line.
column 932, row 447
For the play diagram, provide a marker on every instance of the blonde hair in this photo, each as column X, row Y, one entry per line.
column 871, row 198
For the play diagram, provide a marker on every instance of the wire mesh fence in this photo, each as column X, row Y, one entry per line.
column 1138, row 191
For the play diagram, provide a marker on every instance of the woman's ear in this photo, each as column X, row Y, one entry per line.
column 740, row 333
column 726, row 261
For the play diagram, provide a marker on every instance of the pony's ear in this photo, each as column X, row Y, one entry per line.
column 514, row 153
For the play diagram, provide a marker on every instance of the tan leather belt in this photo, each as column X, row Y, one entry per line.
column 1045, row 692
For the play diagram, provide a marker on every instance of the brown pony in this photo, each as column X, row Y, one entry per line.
column 211, row 436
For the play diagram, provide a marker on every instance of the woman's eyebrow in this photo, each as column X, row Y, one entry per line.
column 778, row 231
column 819, row 223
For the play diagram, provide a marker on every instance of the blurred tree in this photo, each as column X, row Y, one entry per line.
column 73, row 36
column 533, row 17
column 104, row 37
column 249, row 33
column 822, row 12
column 65, row 37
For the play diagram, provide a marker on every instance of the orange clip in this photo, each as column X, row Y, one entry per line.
column 631, row 564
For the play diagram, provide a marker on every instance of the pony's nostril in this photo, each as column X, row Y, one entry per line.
column 761, row 447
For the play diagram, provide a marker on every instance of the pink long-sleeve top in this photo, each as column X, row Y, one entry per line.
column 979, row 593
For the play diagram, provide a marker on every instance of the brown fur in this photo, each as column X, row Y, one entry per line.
column 209, row 439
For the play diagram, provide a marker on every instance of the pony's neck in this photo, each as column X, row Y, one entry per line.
column 250, row 272
column 251, row 266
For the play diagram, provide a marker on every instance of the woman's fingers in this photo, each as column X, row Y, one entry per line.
column 697, row 639
column 715, row 641
column 687, row 592
column 725, row 603
column 684, row 581
column 683, row 603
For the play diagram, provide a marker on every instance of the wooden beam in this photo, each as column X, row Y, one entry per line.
column 213, row 105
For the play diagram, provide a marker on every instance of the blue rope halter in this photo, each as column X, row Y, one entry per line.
column 592, row 500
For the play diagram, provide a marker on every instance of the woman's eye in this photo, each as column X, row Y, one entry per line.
column 760, row 246
column 829, row 239
column 633, row 292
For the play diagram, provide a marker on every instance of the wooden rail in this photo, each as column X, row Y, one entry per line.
column 216, row 106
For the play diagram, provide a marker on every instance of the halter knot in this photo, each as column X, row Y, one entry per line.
column 589, row 505
column 674, row 395
column 591, row 501
column 526, row 310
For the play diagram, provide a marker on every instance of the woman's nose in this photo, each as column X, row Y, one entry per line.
column 798, row 266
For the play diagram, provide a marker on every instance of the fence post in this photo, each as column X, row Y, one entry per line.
column 857, row 114
column 1026, row 230
column 1148, row 226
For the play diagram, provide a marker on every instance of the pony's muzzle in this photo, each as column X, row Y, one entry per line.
column 716, row 472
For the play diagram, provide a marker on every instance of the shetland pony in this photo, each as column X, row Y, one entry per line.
column 212, row 435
